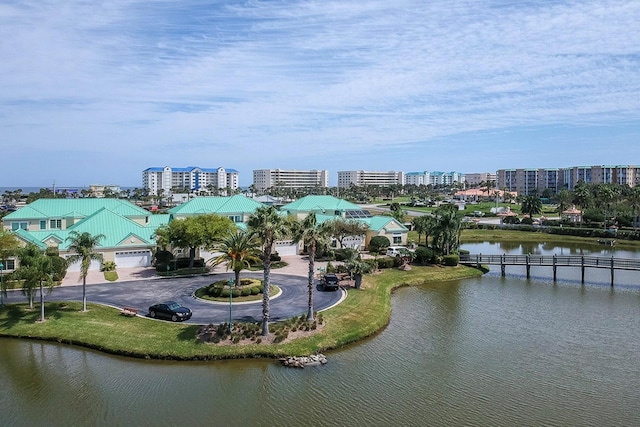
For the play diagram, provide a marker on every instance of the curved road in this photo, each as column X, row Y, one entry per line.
column 143, row 293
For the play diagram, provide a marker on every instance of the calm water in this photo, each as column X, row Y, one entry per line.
column 489, row 351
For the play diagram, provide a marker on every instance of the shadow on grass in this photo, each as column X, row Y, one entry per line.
column 188, row 333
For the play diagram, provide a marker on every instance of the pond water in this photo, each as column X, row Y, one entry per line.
column 487, row 351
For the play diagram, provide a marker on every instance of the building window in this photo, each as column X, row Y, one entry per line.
column 55, row 223
column 397, row 239
column 9, row 264
column 43, row 225
column 15, row 226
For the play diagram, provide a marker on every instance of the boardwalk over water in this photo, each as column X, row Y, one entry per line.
column 553, row 261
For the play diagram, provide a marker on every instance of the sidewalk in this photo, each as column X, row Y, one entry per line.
column 298, row 265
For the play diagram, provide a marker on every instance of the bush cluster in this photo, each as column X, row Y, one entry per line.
column 220, row 289
column 242, row 331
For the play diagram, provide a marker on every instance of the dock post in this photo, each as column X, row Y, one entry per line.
column 612, row 270
column 502, row 266
column 555, row 267
column 528, row 267
column 582, row 267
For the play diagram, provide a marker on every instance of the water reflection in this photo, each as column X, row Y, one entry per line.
column 494, row 350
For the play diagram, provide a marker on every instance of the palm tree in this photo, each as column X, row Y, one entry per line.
column 564, row 199
column 35, row 270
column 446, row 229
column 82, row 245
column 239, row 250
column 531, row 205
column 312, row 235
column 267, row 226
column 423, row 225
column 634, row 200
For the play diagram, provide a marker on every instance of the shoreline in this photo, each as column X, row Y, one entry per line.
column 362, row 314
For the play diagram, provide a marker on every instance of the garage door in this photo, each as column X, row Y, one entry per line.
column 94, row 266
column 286, row 248
column 130, row 259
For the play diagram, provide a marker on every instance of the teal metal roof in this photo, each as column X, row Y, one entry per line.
column 118, row 231
column 314, row 203
column 379, row 222
column 29, row 237
column 238, row 204
column 74, row 208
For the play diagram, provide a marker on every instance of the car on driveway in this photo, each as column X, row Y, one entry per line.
column 329, row 282
column 169, row 310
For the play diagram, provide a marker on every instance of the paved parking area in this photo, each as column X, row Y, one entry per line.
column 141, row 288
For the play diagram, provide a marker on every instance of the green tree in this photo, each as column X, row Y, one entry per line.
column 267, row 226
column 34, row 270
column 564, row 198
column 239, row 250
column 357, row 268
column 446, row 229
column 531, row 205
column 194, row 232
column 82, row 246
column 423, row 225
column 9, row 246
column 341, row 228
column 633, row 197
column 312, row 235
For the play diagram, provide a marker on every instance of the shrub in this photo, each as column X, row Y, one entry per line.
column 275, row 257
column 450, row 260
column 330, row 268
column 108, row 266
column 163, row 257
column 255, row 290
column 245, row 292
column 378, row 242
column 512, row 220
column 59, row 267
column 224, row 293
column 526, row 221
column 236, row 293
column 424, row 255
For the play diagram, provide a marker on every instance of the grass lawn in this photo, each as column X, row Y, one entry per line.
column 498, row 235
column 363, row 313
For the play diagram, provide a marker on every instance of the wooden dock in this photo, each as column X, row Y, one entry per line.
column 554, row 261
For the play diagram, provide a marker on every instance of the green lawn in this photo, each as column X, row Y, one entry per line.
column 362, row 314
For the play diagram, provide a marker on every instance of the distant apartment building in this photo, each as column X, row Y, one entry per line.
column 362, row 178
column 475, row 179
column 99, row 190
column 433, row 178
column 193, row 178
column 530, row 181
column 286, row 178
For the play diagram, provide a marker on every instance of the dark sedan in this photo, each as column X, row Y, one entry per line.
column 170, row 310
column 329, row 282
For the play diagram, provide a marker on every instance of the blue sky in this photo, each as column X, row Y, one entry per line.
column 96, row 92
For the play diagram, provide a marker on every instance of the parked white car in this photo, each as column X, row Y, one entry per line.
column 395, row 250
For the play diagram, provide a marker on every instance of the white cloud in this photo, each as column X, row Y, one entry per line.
column 319, row 84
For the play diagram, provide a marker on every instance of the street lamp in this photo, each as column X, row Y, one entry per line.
column 1, row 285
column 230, row 303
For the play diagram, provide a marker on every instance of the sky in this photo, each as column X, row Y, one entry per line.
column 94, row 92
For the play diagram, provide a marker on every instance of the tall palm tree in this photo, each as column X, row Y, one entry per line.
column 312, row 235
column 267, row 226
column 239, row 250
column 82, row 246
column 423, row 225
column 35, row 270
column 531, row 205
column 446, row 230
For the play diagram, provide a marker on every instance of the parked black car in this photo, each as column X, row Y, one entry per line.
column 329, row 282
column 170, row 310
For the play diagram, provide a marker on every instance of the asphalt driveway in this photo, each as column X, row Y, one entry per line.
column 143, row 293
